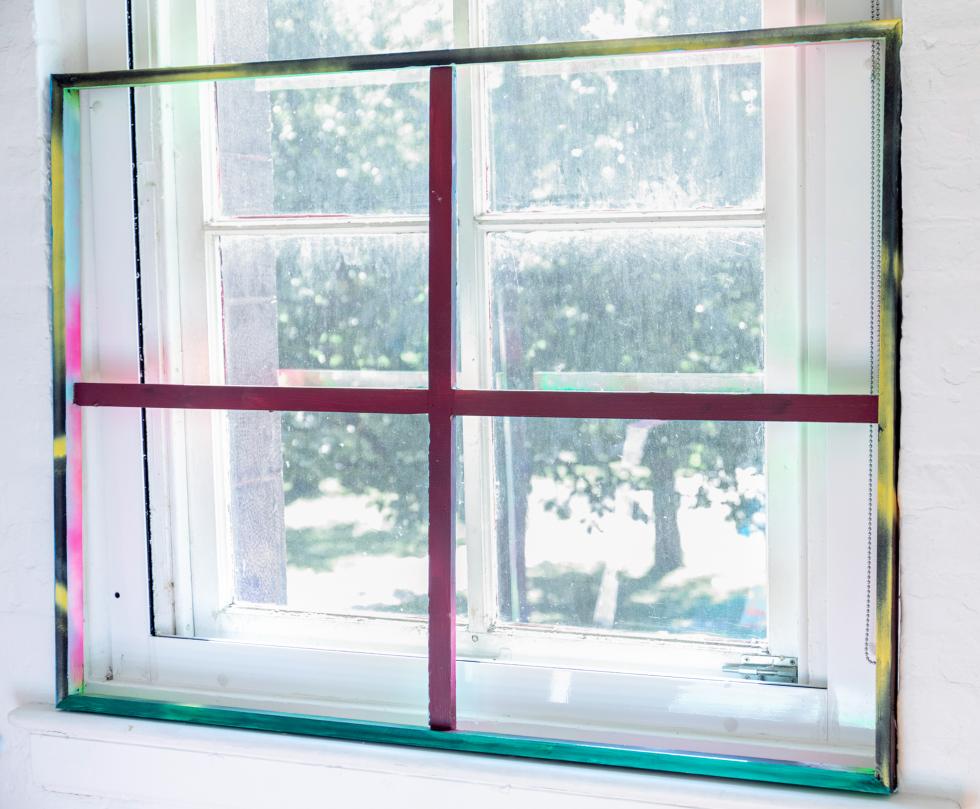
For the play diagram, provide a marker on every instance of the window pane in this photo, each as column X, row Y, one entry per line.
column 341, row 144
column 325, row 310
column 356, row 513
column 663, row 133
column 526, row 21
column 349, row 144
column 648, row 305
column 251, row 30
column 299, row 514
column 653, row 527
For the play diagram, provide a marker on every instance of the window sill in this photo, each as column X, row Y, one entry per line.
column 111, row 757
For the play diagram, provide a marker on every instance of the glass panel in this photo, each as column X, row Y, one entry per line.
column 661, row 309
column 663, row 133
column 341, row 144
column 355, row 490
column 252, row 30
column 325, row 310
column 296, row 513
column 646, row 527
column 528, row 21
column 348, row 144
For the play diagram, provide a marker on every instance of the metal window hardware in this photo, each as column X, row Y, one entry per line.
column 765, row 668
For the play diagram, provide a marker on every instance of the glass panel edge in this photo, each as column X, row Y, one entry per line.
column 745, row 769
column 889, row 417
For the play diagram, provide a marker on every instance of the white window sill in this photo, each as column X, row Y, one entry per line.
column 178, row 765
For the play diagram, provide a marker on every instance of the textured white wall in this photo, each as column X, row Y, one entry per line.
column 939, row 708
column 939, row 704
column 28, row 51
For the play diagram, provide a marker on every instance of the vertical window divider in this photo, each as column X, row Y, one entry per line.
column 442, row 380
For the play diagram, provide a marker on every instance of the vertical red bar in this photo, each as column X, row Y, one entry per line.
column 442, row 378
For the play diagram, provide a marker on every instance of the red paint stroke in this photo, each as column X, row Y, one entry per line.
column 442, row 370
column 244, row 397
column 669, row 406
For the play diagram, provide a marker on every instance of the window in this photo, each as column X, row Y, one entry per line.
column 512, row 401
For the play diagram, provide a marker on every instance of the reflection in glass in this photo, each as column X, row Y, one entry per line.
column 655, row 527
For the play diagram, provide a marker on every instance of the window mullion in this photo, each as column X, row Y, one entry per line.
column 474, row 335
column 784, row 346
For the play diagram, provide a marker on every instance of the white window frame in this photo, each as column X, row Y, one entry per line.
column 125, row 658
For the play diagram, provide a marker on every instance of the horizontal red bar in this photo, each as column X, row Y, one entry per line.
column 668, row 406
column 554, row 404
column 234, row 397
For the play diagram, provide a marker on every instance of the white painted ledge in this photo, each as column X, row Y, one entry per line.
column 177, row 765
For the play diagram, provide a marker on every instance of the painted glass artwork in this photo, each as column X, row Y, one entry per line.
column 478, row 417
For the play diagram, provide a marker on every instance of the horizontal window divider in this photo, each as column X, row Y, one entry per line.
column 243, row 397
column 817, row 408
column 529, row 220
column 669, row 406
column 286, row 225
column 722, row 40
column 557, row 220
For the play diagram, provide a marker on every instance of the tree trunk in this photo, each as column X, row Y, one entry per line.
column 668, row 554
column 512, row 522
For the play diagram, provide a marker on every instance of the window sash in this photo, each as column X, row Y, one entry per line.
column 442, row 400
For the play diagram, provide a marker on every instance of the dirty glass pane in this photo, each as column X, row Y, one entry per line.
column 656, row 527
column 325, row 310
column 342, row 144
column 347, row 144
column 250, row 30
column 664, row 133
column 527, row 21
column 565, row 305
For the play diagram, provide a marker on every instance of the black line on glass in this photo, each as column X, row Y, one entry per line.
column 139, row 312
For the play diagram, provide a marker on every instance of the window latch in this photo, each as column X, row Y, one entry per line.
column 765, row 669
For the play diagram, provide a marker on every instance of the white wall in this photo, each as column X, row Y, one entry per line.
column 939, row 704
column 65, row 763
